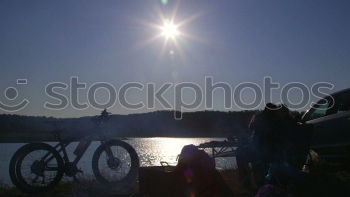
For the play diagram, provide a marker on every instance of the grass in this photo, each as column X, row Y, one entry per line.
column 65, row 189
column 68, row 189
column 321, row 182
column 90, row 188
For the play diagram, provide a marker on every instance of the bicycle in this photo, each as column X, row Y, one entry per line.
column 113, row 162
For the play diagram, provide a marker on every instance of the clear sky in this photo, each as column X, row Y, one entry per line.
column 233, row 41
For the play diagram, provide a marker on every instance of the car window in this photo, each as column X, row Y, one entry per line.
column 319, row 111
column 342, row 102
column 323, row 107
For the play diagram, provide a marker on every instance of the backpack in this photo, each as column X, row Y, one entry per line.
column 195, row 175
column 193, row 157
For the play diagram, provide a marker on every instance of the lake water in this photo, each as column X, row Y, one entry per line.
column 151, row 152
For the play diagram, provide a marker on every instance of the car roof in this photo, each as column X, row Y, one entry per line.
column 341, row 91
column 333, row 94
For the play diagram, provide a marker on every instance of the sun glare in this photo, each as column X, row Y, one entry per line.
column 170, row 30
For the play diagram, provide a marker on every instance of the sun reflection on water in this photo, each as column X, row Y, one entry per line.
column 152, row 151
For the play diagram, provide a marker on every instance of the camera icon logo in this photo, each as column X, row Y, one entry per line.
column 11, row 93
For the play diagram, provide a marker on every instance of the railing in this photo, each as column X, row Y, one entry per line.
column 225, row 148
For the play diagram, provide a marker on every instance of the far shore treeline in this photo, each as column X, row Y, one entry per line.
column 15, row 128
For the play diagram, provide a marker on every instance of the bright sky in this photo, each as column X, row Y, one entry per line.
column 112, row 41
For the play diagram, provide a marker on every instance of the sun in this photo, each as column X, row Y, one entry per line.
column 169, row 30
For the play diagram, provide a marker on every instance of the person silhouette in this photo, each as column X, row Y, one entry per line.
column 259, row 150
column 105, row 113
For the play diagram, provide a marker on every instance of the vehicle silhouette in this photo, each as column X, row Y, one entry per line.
column 330, row 119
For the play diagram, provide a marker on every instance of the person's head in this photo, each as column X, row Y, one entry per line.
column 283, row 111
column 270, row 108
column 280, row 110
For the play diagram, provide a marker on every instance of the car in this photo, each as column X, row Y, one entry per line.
column 330, row 119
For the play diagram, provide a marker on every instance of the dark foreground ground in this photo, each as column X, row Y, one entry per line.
column 319, row 183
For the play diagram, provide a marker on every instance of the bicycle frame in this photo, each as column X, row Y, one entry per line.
column 61, row 148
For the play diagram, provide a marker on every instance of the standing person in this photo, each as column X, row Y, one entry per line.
column 259, row 147
column 289, row 145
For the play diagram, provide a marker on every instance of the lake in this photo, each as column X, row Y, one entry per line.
column 151, row 152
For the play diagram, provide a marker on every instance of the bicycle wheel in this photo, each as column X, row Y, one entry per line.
column 114, row 162
column 36, row 167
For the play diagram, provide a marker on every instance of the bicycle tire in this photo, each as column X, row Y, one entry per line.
column 133, row 157
column 15, row 168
